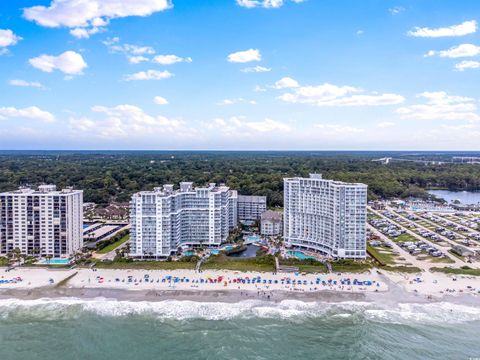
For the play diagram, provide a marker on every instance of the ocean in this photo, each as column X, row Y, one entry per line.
column 290, row 329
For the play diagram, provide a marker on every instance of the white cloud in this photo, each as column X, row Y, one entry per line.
column 336, row 128
column 258, row 88
column 160, row 100
column 267, row 125
column 266, row 4
column 462, row 50
column 90, row 15
column 333, row 95
column 134, row 49
column 31, row 112
column 24, row 83
column 170, row 59
column 396, row 10
column 70, row 63
column 441, row 106
column 465, row 28
column 7, row 38
column 149, row 75
column 285, row 83
column 245, row 56
column 234, row 125
column 137, row 59
column 135, row 54
column 256, row 69
column 126, row 121
column 261, row 3
column 135, row 115
column 84, row 33
column 385, row 124
column 237, row 101
column 467, row 64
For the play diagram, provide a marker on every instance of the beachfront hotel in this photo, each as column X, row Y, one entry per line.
column 164, row 220
column 325, row 216
column 44, row 222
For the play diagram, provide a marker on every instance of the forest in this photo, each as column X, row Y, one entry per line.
column 113, row 176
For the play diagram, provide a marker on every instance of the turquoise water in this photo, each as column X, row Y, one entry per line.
column 107, row 329
column 300, row 255
column 55, row 261
column 253, row 238
column 188, row 253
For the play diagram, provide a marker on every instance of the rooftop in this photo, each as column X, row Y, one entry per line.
column 252, row 198
column 42, row 190
column 333, row 182
column 272, row 215
column 185, row 187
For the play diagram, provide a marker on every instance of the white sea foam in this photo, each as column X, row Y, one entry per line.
column 71, row 308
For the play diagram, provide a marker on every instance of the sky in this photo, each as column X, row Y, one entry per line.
column 240, row 74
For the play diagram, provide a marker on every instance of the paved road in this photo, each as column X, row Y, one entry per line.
column 110, row 255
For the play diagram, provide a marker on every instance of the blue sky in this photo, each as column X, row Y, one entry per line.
column 240, row 74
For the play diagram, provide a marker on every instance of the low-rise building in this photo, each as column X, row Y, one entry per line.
column 271, row 223
column 462, row 250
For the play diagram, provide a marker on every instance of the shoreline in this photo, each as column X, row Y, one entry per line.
column 388, row 288
column 225, row 296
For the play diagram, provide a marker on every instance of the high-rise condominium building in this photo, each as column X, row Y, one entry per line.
column 326, row 216
column 41, row 222
column 165, row 219
column 251, row 207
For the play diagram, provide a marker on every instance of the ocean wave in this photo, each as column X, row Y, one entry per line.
column 54, row 309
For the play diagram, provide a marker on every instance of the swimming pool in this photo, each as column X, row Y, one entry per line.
column 55, row 262
column 252, row 238
column 300, row 255
column 214, row 252
column 188, row 253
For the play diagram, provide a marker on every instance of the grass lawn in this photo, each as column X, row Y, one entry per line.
column 350, row 266
column 223, row 262
column 147, row 265
column 456, row 255
column 442, row 259
column 402, row 269
column 238, row 265
column 113, row 246
column 312, row 269
column 381, row 257
column 464, row 270
column 404, row 238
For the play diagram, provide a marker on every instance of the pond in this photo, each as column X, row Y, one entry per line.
column 465, row 197
column 250, row 252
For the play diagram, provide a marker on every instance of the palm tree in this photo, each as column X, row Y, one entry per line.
column 17, row 252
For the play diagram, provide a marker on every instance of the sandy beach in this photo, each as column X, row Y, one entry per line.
column 232, row 286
